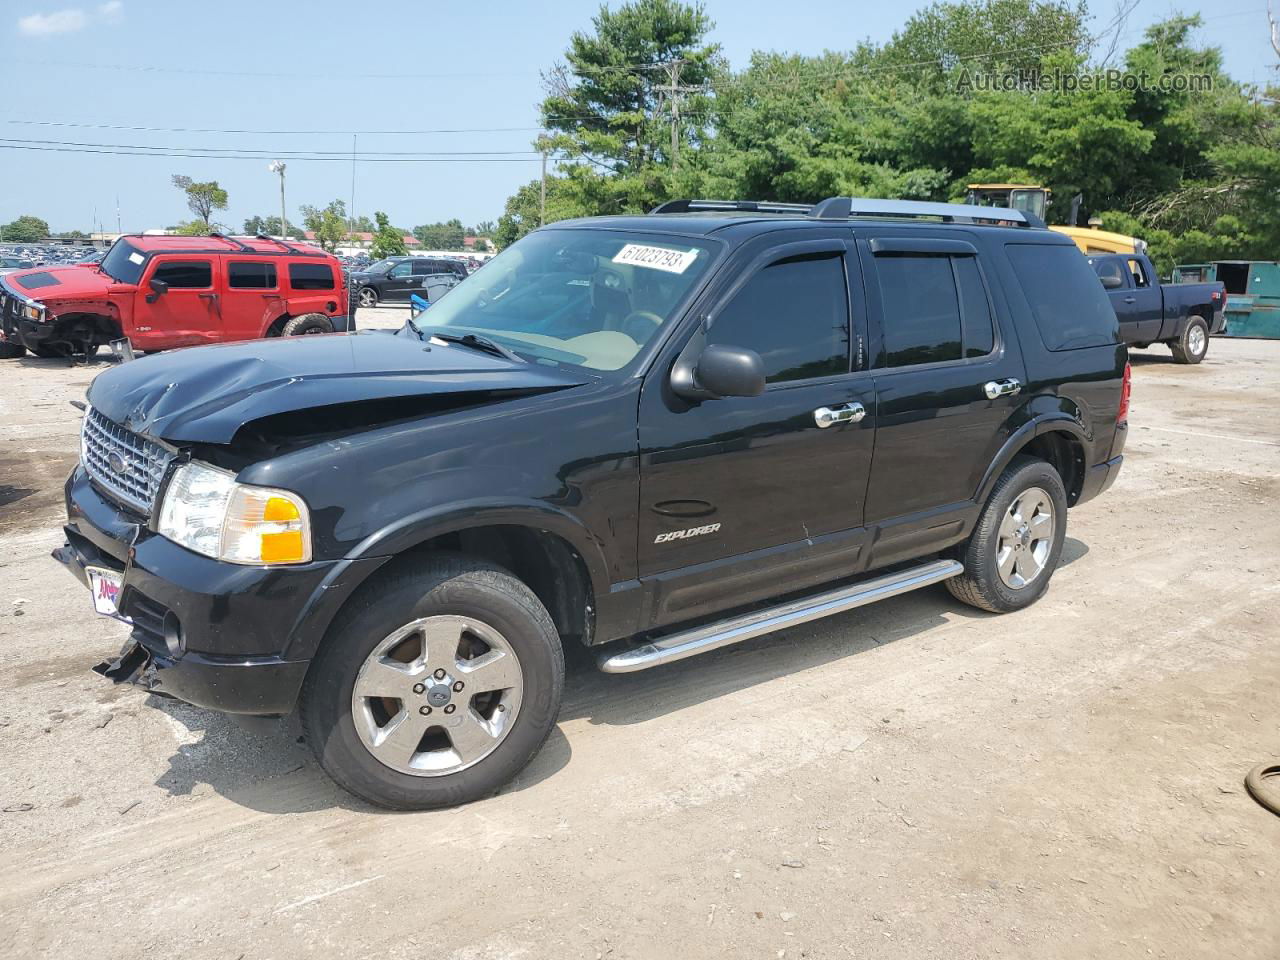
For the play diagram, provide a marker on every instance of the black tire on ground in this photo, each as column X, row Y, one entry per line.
column 442, row 585
column 981, row 585
column 50, row 353
column 11, row 351
column 1192, row 346
column 305, row 324
column 367, row 297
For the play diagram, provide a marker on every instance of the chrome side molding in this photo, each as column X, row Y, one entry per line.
column 690, row 643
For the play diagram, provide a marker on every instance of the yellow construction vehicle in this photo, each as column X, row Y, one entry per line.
column 1031, row 198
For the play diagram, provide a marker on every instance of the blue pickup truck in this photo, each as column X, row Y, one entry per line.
column 1181, row 315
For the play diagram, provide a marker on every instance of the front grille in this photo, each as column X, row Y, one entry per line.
column 128, row 467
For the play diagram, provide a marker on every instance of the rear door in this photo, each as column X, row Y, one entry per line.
column 188, row 313
column 251, row 297
column 748, row 497
column 948, row 375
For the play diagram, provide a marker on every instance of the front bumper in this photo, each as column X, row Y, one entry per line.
column 213, row 634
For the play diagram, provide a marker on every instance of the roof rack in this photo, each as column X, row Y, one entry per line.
column 842, row 208
column 240, row 247
column 288, row 246
column 746, row 206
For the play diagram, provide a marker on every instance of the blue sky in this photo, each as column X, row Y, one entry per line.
column 176, row 63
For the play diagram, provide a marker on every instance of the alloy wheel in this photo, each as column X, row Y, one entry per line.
column 437, row 696
column 1026, row 538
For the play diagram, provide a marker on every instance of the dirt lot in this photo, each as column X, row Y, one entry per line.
column 913, row 779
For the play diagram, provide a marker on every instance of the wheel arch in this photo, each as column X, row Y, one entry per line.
column 550, row 553
column 1056, row 438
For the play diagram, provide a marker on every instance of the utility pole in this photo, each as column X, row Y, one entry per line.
column 351, row 211
column 277, row 167
column 674, row 93
column 543, row 146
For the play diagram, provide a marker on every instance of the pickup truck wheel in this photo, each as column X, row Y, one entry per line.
column 1014, row 549
column 11, row 351
column 305, row 324
column 368, row 297
column 437, row 688
column 1194, row 342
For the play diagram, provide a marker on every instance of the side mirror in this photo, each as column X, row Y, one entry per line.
column 158, row 289
column 720, row 371
column 1112, row 282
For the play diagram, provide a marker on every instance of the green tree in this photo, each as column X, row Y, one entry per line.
column 606, row 110
column 202, row 198
column 441, row 236
column 521, row 213
column 192, row 228
column 362, row 224
column 485, row 228
column 329, row 223
column 270, row 226
column 388, row 241
column 25, row 229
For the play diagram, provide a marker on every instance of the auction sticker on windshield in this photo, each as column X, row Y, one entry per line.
column 656, row 258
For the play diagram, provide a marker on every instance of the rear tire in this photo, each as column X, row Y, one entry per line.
column 356, row 731
column 1192, row 346
column 1014, row 548
column 308, row 323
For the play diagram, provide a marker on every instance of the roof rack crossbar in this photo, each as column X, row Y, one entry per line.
column 290, row 247
column 842, row 208
column 240, row 247
column 725, row 206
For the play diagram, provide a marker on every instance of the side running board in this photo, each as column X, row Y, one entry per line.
column 690, row 643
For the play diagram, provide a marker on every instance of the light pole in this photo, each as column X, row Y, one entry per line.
column 277, row 166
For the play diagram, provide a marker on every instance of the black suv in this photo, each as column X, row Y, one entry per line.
column 395, row 279
column 652, row 435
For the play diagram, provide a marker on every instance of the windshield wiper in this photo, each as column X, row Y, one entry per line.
column 477, row 342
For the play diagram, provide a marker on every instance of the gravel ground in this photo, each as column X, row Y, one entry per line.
column 913, row 779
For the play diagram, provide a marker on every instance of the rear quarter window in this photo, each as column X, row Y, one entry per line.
column 1071, row 308
column 311, row 276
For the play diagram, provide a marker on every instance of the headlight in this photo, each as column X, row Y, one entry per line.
column 207, row 511
column 33, row 311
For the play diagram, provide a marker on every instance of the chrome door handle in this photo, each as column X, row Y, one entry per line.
column 1001, row 388
column 1130, row 299
column 841, row 413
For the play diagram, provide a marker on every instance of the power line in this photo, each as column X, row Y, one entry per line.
column 258, row 154
column 338, row 158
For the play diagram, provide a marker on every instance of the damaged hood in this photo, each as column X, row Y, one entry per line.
column 56, row 283
column 206, row 394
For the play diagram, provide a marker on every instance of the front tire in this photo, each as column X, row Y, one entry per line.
column 368, row 298
column 1014, row 548
column 11, row 351
column 1192, row 346
column 436, row 687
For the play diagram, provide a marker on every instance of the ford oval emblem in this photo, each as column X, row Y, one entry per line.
column 117, row 462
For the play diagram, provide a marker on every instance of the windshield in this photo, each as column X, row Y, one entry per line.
column 589, row 298
column 123, row 263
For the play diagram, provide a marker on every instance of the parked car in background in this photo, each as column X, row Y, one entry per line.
column 1180, row 315
column 1253, row 293
column 650, row 435
column 395, row 279
column 160, row 292
column 10, row 264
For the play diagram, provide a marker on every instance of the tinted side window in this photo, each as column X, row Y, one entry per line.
column 191, row 274
column 422, row 268
column 1068, row 302
column 977, row 326
column 921, row 309
column 401, row 269
column 795, row 314
column 244, row 275
column 311, row 276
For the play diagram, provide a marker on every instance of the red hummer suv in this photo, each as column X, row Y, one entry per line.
column 160, row 292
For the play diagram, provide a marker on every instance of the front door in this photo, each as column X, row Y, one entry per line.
column 1144, row 304
column 748, row 497
column 401, row 282
column 938, row 352
column 187, row 313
